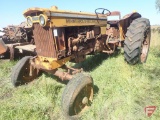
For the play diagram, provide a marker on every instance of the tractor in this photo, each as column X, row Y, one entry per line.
column 16, row 40
column 61, row 36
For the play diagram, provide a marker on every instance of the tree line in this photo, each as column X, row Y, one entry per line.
column 158, row 5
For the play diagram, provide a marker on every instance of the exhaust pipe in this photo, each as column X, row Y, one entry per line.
column 3, row 47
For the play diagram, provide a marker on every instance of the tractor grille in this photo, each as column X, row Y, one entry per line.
column 44, row 41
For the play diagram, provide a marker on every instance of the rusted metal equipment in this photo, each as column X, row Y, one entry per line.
column 62, row 36
column 15, row 36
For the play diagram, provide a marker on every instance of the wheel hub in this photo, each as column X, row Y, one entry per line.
column 85, row 100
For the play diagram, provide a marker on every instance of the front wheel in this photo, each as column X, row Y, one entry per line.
column 21, row 72
column 137, row 41
column 77, row 95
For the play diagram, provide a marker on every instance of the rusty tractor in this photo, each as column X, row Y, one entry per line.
column 16, row 40
column 61, row 36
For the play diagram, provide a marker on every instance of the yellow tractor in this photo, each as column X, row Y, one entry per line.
column 61, row 36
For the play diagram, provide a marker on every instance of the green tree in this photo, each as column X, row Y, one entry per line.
column 158, row 5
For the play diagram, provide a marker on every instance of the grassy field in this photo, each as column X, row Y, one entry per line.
column 121, row 91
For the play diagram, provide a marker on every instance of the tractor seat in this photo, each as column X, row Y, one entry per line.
column 113, row 23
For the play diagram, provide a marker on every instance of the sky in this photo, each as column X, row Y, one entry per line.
column 12, row 10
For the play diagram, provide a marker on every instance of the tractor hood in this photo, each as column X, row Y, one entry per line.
column 61, row 18
column 54, row 11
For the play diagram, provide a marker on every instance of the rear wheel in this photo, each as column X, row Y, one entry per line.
column 77, row 95
column 21, row 72
column 137, row 41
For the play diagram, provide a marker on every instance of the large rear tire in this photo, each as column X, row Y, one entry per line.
column 21, row 72
column 137, row 41
column 77, row 96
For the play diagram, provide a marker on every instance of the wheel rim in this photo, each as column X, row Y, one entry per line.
column 83, row 99
column 145, row 46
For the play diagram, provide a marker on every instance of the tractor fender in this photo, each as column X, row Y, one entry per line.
column 133, row 15
column 3, row 47
column 125, row 22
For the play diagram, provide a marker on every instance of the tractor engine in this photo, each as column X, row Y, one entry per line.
column 59, row 34
column 83, row 40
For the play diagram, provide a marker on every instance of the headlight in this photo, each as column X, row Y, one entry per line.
column 29, row 21
column 42, row 20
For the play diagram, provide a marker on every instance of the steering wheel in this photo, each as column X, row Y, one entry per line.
column 103, row 11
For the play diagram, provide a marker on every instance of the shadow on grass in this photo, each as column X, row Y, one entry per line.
column 155, row 51
column 153, row 74
column 157, row 54
column 93, row 61
column 95, row 89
